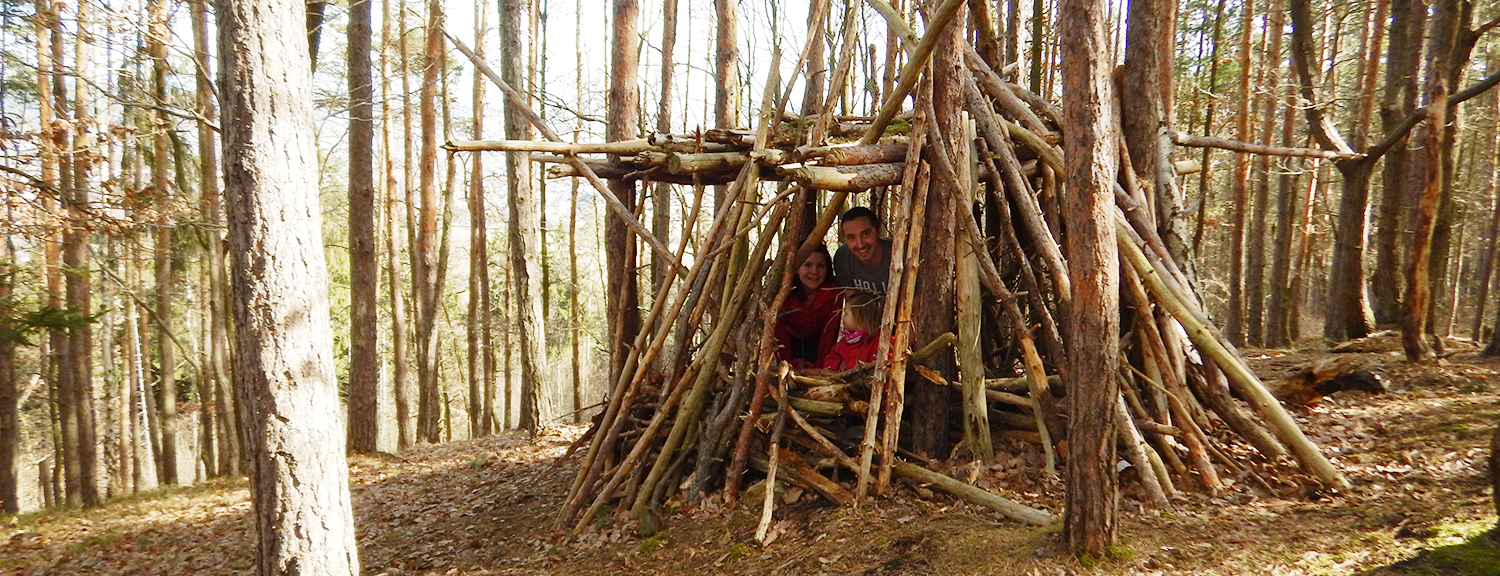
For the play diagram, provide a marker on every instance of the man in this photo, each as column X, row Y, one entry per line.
column 863, row 261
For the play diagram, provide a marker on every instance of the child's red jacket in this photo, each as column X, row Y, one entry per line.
column 845, row 356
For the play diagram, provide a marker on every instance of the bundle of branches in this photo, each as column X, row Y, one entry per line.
column 701, row 399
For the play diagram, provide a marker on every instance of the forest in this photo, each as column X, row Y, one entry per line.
column 1140, row 264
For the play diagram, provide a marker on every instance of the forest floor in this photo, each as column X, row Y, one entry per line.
column 1416, row 456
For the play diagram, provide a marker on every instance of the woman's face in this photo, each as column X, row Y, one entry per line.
column 814, row 270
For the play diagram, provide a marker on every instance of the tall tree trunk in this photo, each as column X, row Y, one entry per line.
column 429, row 415
column 1234, row 325
column 1403, row 60
column 400, row 326
column 1146, row 123
column 1492, row 238
column 1278, row 310
column 1208, row 126
column 1444, row 32
column 480, row 390
column 623, row 107
column 1348, row 309
column 76, row 271
column 726, row 73
column 1090, row 169
column 156, row 49
column 574, row 322
column 364, row 270
column 929, row 406
column 298, row 476
column 52, row 103
column 226, row 426
column 1255, row 263
column 525, row 239
column 10, row 416
column 661, row 193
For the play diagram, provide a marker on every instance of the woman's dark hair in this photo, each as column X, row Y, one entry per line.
column 858, row 212
column 817, row 249
column 866, row 306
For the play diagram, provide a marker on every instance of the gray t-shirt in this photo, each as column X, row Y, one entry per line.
column 853, row 274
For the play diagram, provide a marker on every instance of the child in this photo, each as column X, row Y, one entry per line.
column 858, row 340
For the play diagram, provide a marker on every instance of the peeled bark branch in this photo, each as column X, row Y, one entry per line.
column 1185, row 139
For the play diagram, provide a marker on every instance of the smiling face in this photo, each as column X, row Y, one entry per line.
column 860, row 236
column 814, row 271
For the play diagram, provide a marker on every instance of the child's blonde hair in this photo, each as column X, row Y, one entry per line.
column 865, row 307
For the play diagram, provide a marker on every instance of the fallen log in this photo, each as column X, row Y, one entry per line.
column 1314, row 380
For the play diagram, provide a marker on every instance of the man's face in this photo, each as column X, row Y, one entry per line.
column 859, row 235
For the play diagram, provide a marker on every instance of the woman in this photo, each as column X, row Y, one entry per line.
column 809, row 321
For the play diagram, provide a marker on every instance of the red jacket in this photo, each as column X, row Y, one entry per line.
column 812, row 318
column 845, row 356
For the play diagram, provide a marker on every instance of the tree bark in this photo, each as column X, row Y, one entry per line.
column 1234, row 324
column 1444, row 32
column 1403, row 61
column 364, row 271
column 525, row 240
column 929, row 406
column 1255, row 262
column 166, row 356
column 480, row 363
column 1089, row 521
column 285, row 375
column 10, row 417
column 425, row 277
column 623, row 107
column 1146, row 124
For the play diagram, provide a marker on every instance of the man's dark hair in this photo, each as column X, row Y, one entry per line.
column 858, row 212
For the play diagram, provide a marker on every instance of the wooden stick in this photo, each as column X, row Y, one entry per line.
column 1038, row 383
column 768, row 504
column 1269, row 408
column 1011, row 509
column 804, row 476
column 692, row 403
column 1003, row 96
column 1135, row 453
column 1191, row 140
column 817, row 437
column 852, row 178
column 633, row 371
column 895, row 399
column 623, row 147
column 915, row 183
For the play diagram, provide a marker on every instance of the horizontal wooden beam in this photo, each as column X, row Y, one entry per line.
column 1185, row 139
column 623, row 147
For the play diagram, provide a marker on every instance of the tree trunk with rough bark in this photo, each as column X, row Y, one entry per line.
column 156, row 48
column 525, row 239
column 425, row 272
column 284, row 362
column 1094, row 318
column 1403, row 61
column 364, row 270
column 1444, row 32
column 929, row 406
column 623, row 108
